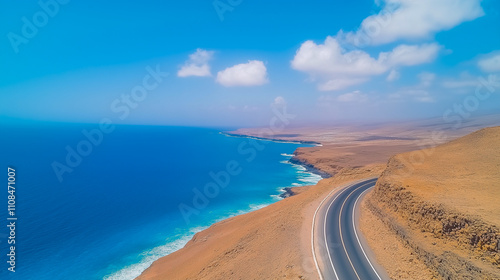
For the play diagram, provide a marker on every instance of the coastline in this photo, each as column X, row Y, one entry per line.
column 263, row 244
column 281, row 194
column 309, row 167
column 212, row 244
column 243, row 246
column 348, row 172
column 294, row 160
column 277, row 140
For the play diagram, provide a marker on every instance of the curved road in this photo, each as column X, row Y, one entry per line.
column 337, row 248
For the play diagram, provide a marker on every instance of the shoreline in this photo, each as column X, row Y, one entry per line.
column 277, row 140
column 242, row 241
column 290, row 192
column 309, row 167
column 283, row 193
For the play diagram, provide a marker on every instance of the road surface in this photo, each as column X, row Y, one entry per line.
column 337, row 247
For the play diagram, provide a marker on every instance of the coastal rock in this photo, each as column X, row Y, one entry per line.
column 309, row 166
column 287, row 192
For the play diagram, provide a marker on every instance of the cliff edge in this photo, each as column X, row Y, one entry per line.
column 443, row 203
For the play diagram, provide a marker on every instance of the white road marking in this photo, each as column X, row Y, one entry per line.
column 356, row 233
column 324, row 228
column 340, row 229
column 312, row 232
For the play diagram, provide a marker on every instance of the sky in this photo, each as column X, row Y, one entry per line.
column 230, row 62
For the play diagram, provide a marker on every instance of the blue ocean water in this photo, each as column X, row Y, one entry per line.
column 121, row 206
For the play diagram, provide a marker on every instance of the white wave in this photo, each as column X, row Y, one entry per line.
column 305, row 177
column 148, row 257
column 309, row 181
column 276, row 196
column 287, row 155
column 254, row 207
column 299, row 167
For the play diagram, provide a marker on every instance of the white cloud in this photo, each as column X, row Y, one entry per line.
column 393, row 75
column 426, row 79
column 330, row 58
column 197, row 65
column 467, row 83
column 243, row 108
column 459, row 83
column 464, row 80
column 409, row 55
column 279, row 101
column 355, row 96
column 418, row 92
column 490, row 62
column 418, row 95
column 333, row 100
column 337, row 68
column 253, row 73
column 413, row 19
column 194, row 70
column 340, row 83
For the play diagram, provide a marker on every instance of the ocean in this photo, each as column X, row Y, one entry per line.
column 104, row 205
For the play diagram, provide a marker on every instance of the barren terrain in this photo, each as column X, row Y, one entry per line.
column 274, row 242
column 443, row 204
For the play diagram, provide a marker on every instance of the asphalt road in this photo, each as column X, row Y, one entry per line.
column 338, row 250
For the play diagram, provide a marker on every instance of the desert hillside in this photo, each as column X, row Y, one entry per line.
column 443, row 203
column 274, row 242
column 270, row 243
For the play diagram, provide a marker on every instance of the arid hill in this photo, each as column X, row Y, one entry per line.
column 274, row 242
column 444, row 204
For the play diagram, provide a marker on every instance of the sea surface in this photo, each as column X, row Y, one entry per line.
column 129, row 197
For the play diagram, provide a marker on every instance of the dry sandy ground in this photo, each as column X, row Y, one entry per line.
column 274, row 242
column 463, row 175
column 443, row 203
column 342, row 145
column 398, row 260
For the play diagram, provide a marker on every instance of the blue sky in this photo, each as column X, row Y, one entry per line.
column 229, row 61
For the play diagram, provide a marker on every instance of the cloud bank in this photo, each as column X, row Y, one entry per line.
column 412, row 20
column 197, row 65
column 490, row 62
column 253, row 73
column 335, row 68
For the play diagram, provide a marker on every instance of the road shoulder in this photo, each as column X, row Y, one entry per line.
column 391, row 253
